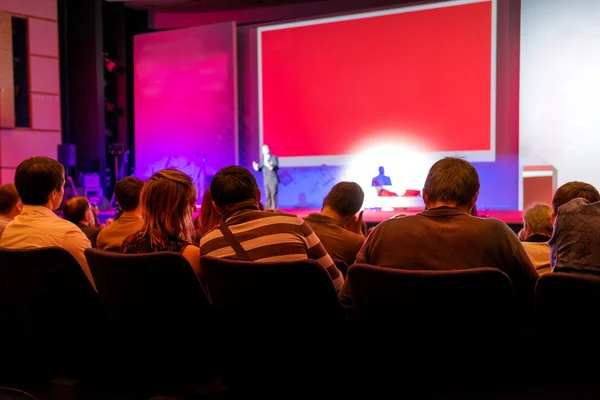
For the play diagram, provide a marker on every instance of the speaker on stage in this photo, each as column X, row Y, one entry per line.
column 67, row 155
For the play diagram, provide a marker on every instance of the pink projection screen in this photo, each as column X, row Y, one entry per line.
column 185, row 88
column 422, row 76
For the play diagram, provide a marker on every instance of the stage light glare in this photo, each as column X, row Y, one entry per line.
column 406, row 166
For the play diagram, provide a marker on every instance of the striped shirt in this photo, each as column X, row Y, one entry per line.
column 269, row 237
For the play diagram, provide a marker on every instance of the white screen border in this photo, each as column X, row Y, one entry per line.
column 343, row 160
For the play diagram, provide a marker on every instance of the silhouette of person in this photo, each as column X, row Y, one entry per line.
column 381, row 180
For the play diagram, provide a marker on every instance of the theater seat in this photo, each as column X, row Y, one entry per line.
column 158, row 313
column 276, row 317
column 431, row 319
column 56, row 307
column 566, row 309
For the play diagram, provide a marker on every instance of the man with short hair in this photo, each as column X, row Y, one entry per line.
column 337, row 225
column 10, row 205
column 78, row 211
column 446, row 237
column 537, row 230
column 127, row 192
column 269, row 165
column 575, row 241
column 263, row 236
column 40, row 182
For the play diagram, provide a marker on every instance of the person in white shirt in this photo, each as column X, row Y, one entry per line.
column 537, row 231
column 269, row 165
column 10, row 205
column 40, row 182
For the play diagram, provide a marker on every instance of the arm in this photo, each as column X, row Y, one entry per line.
column 192, row 254
column 317, row 252
column 518, row 266
column 76, row 243
column 274, row 163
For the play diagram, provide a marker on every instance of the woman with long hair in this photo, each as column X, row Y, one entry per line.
column 168, row 201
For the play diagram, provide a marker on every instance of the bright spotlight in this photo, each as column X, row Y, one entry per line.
column 405, row 166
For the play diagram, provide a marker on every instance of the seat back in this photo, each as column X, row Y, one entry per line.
column 156, row 307
column 274, row 318
column 284, row 291
column 567, row 302
column 54, row 303
column 431, row 299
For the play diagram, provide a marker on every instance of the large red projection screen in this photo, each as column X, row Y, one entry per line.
column 421, row 77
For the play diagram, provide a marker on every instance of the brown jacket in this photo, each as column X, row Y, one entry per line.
column 341, row 244
column 447, row 238
column 111, row 237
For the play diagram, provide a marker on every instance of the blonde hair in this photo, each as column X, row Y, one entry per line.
column 168, row 199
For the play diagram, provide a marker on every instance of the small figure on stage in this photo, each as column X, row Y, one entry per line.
column 269, row 165
column 380, row 181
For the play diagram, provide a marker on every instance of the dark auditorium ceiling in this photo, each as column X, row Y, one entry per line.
column 206, row 5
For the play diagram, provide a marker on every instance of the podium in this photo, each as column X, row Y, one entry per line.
column 539, row 184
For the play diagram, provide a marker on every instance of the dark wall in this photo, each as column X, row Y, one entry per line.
column 89, row 29
column 83, row 82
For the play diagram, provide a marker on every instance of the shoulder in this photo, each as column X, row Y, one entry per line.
column 578, row 206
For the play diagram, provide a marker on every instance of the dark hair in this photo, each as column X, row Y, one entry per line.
column 75, row 208
column 36, row 178
column 452, row 179
column 209, row 218
column 9, row 197
column 574, row 190
column 345, row 198
column 232, row 185
column 128, row 191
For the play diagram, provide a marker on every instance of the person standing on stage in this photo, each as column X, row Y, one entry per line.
column 269, row 165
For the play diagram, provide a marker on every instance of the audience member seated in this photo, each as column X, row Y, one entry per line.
column 127, row 192
column 168, row 202
column 537, row 230
column 78, row 211
column 40, row 182
column 209, row 218
column 575, row 242
column 10, row 205
column 446, row 237
column 336, row 225
column 263, row 236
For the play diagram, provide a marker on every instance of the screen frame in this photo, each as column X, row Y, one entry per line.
column 344, row 160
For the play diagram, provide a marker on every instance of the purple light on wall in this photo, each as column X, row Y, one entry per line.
column 185, row 90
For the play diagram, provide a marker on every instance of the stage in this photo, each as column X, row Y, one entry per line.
column 373, row 216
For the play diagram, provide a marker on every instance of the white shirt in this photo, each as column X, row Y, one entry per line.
column 267, row 158
column 38, row 226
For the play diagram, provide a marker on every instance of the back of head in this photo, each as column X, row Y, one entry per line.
column 36, row 178
column 76, row 208
column 574, row 190
column 539, row 219
column 127, row 192
column 233, row 185
column 9, row 197
column 168, row 201
column 452, row 180
column 345, row 198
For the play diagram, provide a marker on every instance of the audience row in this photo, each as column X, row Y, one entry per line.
column 158, row 216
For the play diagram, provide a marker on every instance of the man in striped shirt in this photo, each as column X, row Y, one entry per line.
column 264, row 236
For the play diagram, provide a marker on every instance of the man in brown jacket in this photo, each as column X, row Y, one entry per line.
column 446, row 237
column 127, row 192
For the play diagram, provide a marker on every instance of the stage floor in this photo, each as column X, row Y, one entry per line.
column 376, row 216
column 514, row 219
